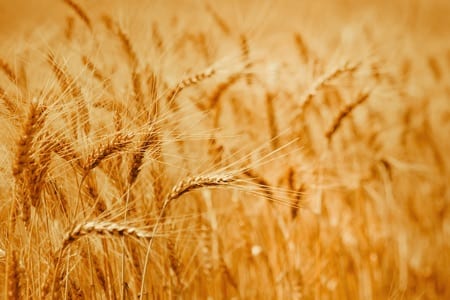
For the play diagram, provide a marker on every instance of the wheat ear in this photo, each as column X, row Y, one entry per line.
column 190, row 81
column 8, row 102
column 12, row 76
column 13, row 276
column 149, row 139
column 245, row 52
column 301, row 46
column 119, row 142
column 197, row 182
column 103, row 228
column 219, row 20
column 80, row 12
column 32, row 125
column 344, row 113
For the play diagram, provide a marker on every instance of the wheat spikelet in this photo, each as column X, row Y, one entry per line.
column 297, row 285
column 157, row 173
column 271, row 119
column 68, row 31
column 103, row 228
column 64, row 148
column 219, row 21
column 9, row 104
column 77, row 292
column 126, row 44
column 137, row 89
column 344, row 113
column 103, row 151
column 92, row 191
column 435, row 68
column 124, row 39
column 157, row 37
column 80, row 12
column 324, row 80
column 196, row 182
column 152, row 85
column 221, row 89
column 32, row 125
column 299, row 191
column 13, row 276
column 301, row 46
column 12, row 76
column 112, row 105
column 190, row 81
column 60, row 74
column 39, row 168
column 175, row 266
column 215, row 150
column 205, row 248
column 245, row 52
column 106, row 82
column 260, row 181
column 149, row 139
column 53, row 278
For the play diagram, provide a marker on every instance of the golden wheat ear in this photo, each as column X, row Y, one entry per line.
column 81, row 13
column 103, row 228
column 188, row 82
column 105, row 150
column 8, row 71
column 25, row 168
column 343, row 114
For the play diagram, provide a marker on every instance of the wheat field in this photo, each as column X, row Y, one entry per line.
column 225, row 149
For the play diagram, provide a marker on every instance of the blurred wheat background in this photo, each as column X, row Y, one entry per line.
column 225, row 149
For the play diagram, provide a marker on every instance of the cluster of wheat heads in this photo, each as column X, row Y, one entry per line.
column 192, row 150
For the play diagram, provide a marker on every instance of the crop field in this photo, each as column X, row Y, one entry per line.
column 232, row 149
